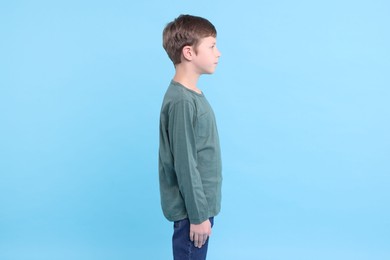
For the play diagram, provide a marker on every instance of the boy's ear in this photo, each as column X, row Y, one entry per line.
column 188, row 52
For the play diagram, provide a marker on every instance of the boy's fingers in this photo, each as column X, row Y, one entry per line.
column 196, row 240
column 192, row 236
column 200, row 243
column 204, row 239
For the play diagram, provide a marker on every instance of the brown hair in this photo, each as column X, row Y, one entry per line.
column 185, row 30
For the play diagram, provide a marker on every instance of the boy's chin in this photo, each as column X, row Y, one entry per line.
column 209, row 72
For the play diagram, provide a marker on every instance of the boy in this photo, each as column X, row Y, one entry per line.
column 189, row 153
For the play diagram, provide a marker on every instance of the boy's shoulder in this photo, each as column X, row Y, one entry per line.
column 177, row 93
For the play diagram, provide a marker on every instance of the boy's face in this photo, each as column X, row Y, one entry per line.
column 206, row 59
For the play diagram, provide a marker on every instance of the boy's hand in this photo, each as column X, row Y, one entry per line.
column 200, row 233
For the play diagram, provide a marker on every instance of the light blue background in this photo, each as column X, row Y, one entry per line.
column 302, row 101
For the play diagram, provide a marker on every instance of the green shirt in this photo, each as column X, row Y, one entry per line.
column 189, row 157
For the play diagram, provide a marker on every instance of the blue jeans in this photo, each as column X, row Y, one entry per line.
column 183, row 247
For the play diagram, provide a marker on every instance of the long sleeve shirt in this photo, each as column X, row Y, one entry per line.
column 190, row 171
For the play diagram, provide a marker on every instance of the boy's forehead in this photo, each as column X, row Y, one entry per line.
column 209, row 39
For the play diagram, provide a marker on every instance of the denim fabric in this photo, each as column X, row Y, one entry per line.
column 183, row 248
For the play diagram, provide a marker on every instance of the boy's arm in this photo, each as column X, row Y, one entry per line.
column 183, row 147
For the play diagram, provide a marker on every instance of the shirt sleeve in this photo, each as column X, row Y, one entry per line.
column 183, row 146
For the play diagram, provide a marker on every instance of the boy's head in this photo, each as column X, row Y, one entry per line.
column 185, row 30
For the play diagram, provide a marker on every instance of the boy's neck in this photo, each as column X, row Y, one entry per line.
column 187, row 78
